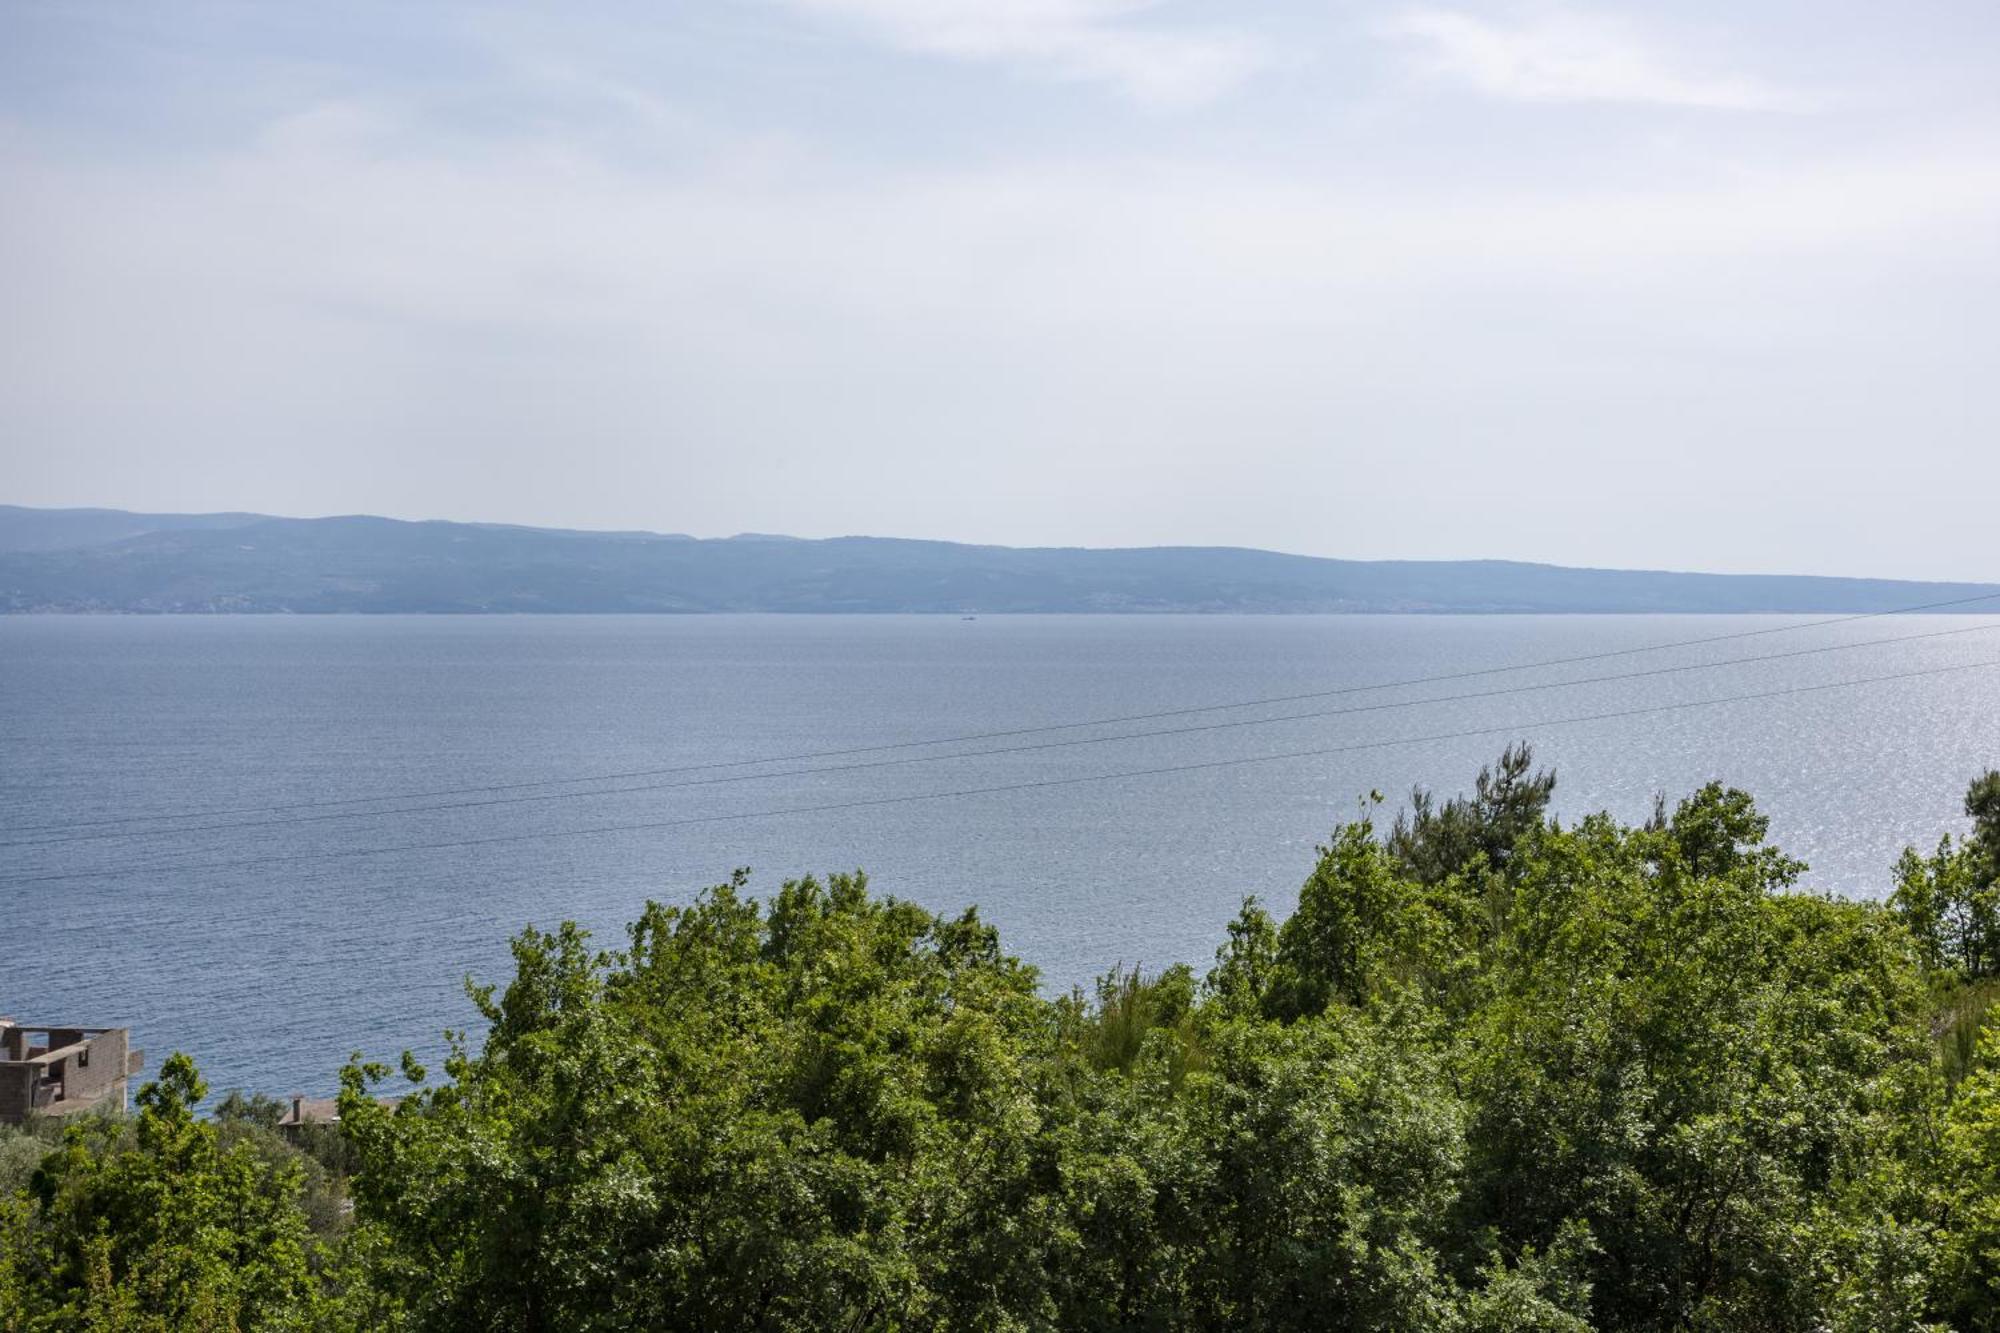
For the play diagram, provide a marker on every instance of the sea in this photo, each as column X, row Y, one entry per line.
column 273, row 842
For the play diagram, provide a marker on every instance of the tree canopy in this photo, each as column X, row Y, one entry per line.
column 1492, row 1074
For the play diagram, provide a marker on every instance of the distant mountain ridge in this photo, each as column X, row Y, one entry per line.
column 64, row 529
column 104, row 560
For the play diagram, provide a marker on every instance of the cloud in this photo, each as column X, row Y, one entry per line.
column 1084, row 40
column 339, row 218
column 700, row 277
column 1565, row 56
column 349, row 312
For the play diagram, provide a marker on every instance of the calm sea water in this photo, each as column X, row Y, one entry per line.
column 271, row 953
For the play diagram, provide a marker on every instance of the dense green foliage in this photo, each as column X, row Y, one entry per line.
column 168, row 1222
column 1491, row 1075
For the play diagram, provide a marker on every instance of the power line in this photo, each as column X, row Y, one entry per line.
column 1004, row 750
column 1009, row 733
column 1037, row 784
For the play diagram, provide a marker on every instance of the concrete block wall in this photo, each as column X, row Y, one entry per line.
column 91, row 1069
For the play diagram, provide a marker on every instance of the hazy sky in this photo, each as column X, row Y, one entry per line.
column 1703, row 285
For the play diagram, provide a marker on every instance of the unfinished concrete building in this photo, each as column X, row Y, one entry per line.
column 62, row 1070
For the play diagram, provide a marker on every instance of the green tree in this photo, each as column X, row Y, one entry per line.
column 1702, row 1066
column 169, row 1231
column 1972, row 1248
column 1950, row 900
column 1365, row 928
column 1246, row 964
column 1492, row 1075
column 815, row 1115
column 1509, row 800
column 1982, row 806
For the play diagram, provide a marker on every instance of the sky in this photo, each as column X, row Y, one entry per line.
column 1696, row 286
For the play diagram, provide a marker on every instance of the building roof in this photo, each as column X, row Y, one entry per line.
column 310, row 1111
column 300, row 1110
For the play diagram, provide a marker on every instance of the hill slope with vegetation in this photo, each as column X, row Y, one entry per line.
column 1491, row 1074
column 101, row 561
